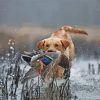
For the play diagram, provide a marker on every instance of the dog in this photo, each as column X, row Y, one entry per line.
column 61, row 41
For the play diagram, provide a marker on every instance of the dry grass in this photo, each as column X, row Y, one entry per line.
column 27, row 34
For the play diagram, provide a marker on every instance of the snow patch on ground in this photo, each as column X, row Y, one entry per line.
column 85, row 86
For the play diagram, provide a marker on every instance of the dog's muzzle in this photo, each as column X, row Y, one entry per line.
column 51, row 51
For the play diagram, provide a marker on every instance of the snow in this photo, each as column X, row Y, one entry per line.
column 11, row 47
column 83, row 85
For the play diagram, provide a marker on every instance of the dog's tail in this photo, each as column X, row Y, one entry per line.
column 70, row 29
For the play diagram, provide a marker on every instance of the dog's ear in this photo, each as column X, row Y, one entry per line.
column 65, row 43
column 40, row 44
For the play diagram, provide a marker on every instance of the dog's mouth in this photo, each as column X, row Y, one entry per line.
column 51, row 51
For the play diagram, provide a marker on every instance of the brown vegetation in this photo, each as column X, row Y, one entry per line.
column 27, row 36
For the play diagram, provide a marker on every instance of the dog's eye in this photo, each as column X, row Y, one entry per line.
column 56, row 45
column 47, row 45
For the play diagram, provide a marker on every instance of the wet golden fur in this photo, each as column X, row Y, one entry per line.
column 61, row 41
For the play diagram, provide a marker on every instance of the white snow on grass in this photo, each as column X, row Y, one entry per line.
column 85, row 86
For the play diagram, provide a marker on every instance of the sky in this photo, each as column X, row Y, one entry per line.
column 49, row 12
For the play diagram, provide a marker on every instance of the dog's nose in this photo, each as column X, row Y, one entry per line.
column 50, row 51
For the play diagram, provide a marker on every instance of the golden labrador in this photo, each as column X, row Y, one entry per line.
column 61, row 41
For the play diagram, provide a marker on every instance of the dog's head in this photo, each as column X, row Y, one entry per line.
column 53, row 44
